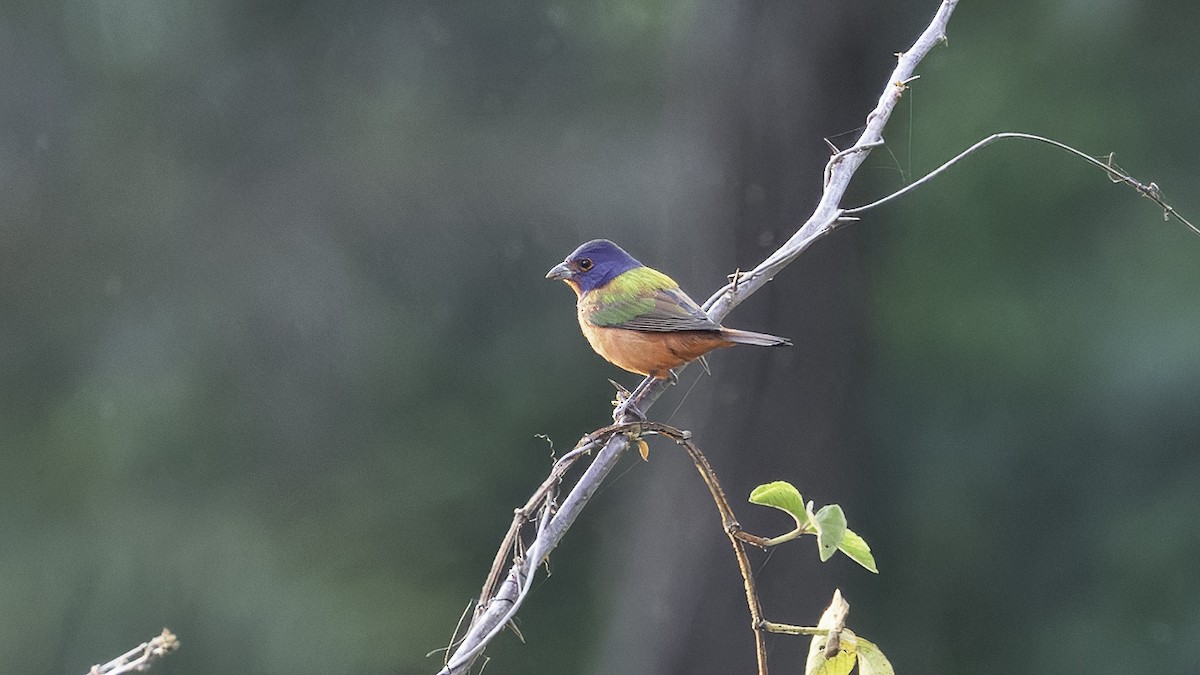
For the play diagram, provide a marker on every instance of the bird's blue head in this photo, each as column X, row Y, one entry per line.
column 593, row 265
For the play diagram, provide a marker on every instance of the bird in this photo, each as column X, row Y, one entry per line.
column 638, row 318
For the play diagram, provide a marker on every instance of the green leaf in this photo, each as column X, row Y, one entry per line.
column 841, row 663
column 830, row 522
column 871, row 660
column 856, row 548
column 784, row 496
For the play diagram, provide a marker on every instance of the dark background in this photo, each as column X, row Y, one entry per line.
column 275, row 342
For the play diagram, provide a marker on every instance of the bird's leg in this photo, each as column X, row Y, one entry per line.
column 625, row 404
column 627, row 407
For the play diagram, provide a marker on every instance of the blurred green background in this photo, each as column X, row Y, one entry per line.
column 276, row 342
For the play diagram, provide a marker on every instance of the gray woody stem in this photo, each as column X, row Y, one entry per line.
column 841, row 168
column 141, row 657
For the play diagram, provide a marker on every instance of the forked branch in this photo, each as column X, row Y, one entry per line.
column 496, row 610
column 501, row 599
column 839, row 170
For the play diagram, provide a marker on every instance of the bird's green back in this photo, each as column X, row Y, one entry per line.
column 645, row 299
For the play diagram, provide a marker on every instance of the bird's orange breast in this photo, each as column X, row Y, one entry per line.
column 650, row 352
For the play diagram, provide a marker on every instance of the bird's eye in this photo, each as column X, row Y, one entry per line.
column 585, row 264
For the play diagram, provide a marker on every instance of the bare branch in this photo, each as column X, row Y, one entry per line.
column 141, row 657
column 838, row 173
column 494, row 612
column 521, row 516
column 732, row 531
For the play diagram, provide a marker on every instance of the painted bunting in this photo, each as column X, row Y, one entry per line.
column 637, row 317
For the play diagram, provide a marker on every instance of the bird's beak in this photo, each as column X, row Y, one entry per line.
column 560, row 271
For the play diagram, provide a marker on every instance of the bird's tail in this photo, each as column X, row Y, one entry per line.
column 745, row 337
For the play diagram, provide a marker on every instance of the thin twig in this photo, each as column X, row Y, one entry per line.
column 789, row 629
column 496, row 610
column 141, row 657
column 737, row 539
column 732, row 529
column 499, row 607
column 1150, row 190
column 729, row 521
column 521, row 516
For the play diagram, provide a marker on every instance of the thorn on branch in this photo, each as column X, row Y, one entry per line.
column 512, row 625
column 1149, row 190
column 856, row 148
column 841, row 155
column 736, row 278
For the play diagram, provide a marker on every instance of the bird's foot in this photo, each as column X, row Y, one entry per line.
column 626, row 407
column 624, row 403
